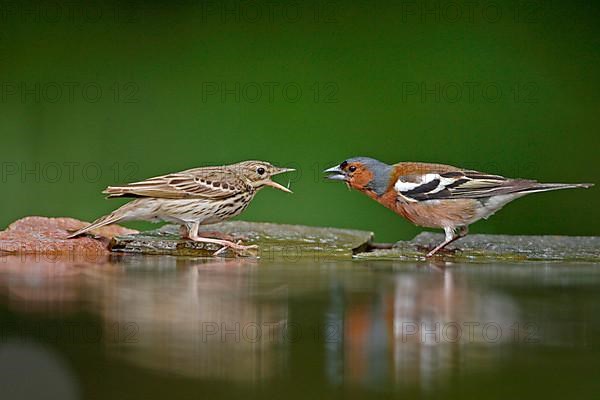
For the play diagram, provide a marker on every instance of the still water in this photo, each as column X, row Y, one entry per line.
column 164, row 327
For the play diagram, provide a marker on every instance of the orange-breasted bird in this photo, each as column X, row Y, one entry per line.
column 198, row 196
column 437, row 195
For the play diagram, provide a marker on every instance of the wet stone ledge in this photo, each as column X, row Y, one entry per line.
column 494, row 248
column 274, row 241
column 48, row 236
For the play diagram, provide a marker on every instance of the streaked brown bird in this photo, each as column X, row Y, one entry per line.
column 437, row 195
column 194, row 197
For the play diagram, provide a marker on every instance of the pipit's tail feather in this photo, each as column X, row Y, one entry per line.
column 120, row 191
column 111, row 218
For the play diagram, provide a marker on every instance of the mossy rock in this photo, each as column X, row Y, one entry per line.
column 494, row 248
column 276, row 241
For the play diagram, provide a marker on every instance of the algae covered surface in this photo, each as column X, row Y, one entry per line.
column 493, row 248
column 274, row 241
column 279, row 241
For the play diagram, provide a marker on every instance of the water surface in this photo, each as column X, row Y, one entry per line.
column 156, row 327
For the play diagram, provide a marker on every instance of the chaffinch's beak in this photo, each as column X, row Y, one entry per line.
column 336, row 174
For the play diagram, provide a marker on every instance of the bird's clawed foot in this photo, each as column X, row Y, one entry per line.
column 442, row 251
column 452, row 234
column 237, row 247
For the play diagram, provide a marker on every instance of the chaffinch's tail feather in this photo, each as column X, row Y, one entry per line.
column 544, row 187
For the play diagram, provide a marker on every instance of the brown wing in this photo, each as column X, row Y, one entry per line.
column 210, row 183
column 431, row 183
column 420, row 168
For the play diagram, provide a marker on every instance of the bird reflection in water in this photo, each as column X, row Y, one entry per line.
column 225, row 319
column 416, row 328
column 193, row 317
column 207, row 322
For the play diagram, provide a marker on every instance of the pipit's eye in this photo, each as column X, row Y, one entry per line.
column 260, row 170
column 352, row 168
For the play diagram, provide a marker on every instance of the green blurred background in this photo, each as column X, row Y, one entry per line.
column 95, row 94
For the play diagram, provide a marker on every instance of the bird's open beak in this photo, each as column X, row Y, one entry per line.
column 336, row 174
column 282, row 171
column 269, row 182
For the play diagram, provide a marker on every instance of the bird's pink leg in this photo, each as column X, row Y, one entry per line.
column 451, row 236
column 236, row 247
column 211, row 234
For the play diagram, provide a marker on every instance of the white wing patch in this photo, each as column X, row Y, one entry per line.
column 457, row 185
column 443, row 182
column 404, row 186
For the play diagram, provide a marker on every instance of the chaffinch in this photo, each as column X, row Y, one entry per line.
column 436, row 195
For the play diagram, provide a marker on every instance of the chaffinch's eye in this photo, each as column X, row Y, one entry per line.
column 352, row 168
column 260, row 170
